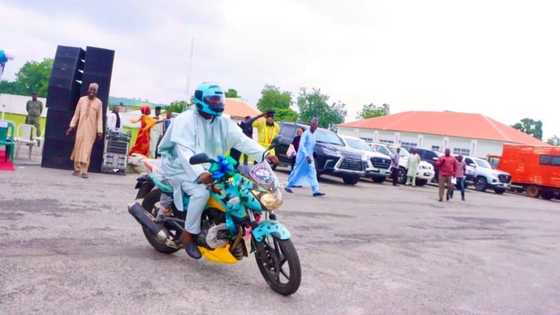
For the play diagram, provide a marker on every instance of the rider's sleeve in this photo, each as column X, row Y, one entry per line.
column 239, row 141
column 185, row 155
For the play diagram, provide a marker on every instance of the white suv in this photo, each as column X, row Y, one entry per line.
column 483, row 176
column 424, row 173
column 377, row 164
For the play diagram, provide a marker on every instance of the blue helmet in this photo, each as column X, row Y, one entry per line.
column 209, row 99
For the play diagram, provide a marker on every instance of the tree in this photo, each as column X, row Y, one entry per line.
column 232, row 93
column 178, row 106
column 554, row 140
column 314, row 104
column 33, row 76
column 371, row 110
column 272, row 99
column 531, row 127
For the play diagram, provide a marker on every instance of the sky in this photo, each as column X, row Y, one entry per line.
column 500, row 58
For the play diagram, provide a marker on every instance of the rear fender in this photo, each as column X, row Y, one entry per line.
column 266, row 228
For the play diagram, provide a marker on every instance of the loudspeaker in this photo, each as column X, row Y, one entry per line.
column 56, row 154
column 64, row 83
column 57, row 124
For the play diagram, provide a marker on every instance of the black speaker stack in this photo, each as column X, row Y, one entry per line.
column 73, row 70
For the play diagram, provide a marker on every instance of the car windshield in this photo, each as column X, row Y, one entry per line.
column 382, row 149
column 482, row 163
column 403, row 152
column 327, row 136
column 358, row 144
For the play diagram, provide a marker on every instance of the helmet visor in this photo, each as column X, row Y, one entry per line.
column 215, row 102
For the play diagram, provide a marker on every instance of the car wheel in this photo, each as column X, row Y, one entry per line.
column 421, row 182
column 351, row 179
column 499, row 191
column 402, row 176
column 533, row 191
column 481, row 184
column 378, row 180
column 547, row 194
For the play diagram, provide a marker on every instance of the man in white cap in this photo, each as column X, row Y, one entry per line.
column 88, row 118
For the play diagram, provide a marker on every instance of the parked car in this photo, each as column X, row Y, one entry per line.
column 424, row 173
column 378, row 164
column 332, row 157
column 430, row 156
column 535, row 169
column 483, row 176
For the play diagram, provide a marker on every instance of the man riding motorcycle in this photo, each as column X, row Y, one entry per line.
column 203, row 130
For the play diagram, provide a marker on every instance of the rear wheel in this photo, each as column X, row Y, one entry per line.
column 150, row 203
column 350, row 179
column 378, row 180
column 278, row 263
column 547, row 194
column 481, row 184
column 421, row 182
column 402, row 176
column 533, row 191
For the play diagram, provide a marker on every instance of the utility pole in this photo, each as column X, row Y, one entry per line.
column 189, row 71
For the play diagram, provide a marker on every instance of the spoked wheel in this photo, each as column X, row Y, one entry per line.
column 279, row 264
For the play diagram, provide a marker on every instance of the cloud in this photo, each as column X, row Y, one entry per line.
column 498, row 58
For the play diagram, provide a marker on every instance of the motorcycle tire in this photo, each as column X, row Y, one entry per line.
column 149, row 203
column 266, row 263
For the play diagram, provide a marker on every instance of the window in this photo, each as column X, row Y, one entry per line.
column 381, row 149
column 483, row 163
column 288, row 130
column 435, row 147
column 368, row 140
column 461, row 151
column 549, row 160
column 408, row 145
column 327, row 136
column 386, row 141
column 357, row 144
column 469, row 162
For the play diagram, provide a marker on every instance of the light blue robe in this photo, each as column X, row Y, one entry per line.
column 190, row 134
column 304, row 173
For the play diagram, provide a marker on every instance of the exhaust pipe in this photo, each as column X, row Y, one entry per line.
column 147, row 220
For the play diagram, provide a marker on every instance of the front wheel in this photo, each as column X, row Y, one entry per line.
column 350, row 179
column 499, row 191
column 278, row 263
column 481, row 184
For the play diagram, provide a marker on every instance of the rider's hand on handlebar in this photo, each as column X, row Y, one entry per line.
column 273, row 159
column 205, row 178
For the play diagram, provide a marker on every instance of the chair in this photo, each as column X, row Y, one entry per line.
column 7, row 138
column 26, row 135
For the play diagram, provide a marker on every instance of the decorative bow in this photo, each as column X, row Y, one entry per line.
column 223, row 166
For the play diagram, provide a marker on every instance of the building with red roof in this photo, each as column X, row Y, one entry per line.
column 238, row 109
column 463, row 133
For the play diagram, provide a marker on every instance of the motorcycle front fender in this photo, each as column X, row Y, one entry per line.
column 267, row 227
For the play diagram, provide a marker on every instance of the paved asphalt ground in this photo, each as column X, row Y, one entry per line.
column 68, row 246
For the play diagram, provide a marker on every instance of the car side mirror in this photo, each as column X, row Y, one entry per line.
column 200, row 158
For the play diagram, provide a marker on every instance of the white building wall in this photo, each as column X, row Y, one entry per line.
column 474, row 147
column 15, row 104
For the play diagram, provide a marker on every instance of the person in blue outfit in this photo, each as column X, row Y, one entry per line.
column 304, row 173
column 199, row 130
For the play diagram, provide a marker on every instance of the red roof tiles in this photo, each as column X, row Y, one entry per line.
column 237, row 108
column 453, row 124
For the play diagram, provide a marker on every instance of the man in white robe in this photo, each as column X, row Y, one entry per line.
column 200, row 130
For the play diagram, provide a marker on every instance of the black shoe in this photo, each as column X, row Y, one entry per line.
column 192, row 250
column 318, row 194
column 289, row 190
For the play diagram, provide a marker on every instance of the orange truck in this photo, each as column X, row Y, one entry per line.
column 535, row 169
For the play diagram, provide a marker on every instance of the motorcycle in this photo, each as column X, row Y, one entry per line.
column 241, row 209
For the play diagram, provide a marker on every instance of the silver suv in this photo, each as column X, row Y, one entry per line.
column 483, row 176
column 377, row 164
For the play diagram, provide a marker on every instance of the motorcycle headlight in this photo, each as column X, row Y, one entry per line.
column 270, row 200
